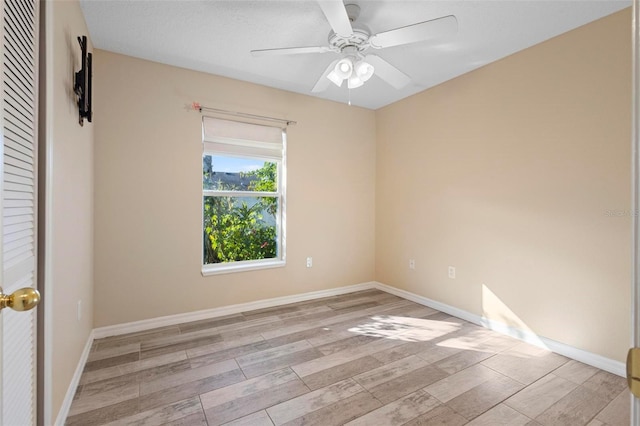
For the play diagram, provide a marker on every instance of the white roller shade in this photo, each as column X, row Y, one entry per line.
column 235, row 138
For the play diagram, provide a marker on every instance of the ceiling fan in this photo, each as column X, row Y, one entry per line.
column 351, row 40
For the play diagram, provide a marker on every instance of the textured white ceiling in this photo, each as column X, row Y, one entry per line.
column 216, row 36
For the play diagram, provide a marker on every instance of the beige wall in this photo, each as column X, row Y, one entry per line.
column 69, row 192
column 507, row 173
column 148, row 176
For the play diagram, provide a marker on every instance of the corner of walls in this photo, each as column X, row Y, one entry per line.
column 68, row 227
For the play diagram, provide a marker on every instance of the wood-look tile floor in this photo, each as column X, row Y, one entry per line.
column 364, row 358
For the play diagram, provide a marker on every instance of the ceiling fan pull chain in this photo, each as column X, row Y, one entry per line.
column 349, row 89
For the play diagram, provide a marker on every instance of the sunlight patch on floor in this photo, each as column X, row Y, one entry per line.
column 469, row 343
column 405, row 328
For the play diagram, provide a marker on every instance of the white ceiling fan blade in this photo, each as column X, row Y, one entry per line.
column 337, row 16
column 323, row 82
column 422, row 31
column 388, row 72
column 290, row 51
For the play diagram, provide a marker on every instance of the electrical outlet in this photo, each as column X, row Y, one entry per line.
column 412, row 264
column 79, row 310
column 309, row 262
column 452, row 272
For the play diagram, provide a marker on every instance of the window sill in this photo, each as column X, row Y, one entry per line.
column 228, row 268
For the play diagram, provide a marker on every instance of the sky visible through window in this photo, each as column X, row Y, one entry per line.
column 235, row 164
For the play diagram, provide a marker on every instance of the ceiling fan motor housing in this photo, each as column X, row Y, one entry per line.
column 359, row 40
column 360, row 37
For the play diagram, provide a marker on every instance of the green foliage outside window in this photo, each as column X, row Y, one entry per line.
column 241, row 228
column 266, row 182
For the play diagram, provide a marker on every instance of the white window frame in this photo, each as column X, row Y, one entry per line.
column 245, row 150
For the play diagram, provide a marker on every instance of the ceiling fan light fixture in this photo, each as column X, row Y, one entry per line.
column 335, row 78
column 363, row 70
column 354, row 81
column 344, row 68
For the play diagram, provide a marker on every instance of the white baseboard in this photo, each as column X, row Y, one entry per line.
column 75, row 380
column 598, row 361
column 143, row 325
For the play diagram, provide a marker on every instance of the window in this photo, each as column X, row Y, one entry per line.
column 243, row 169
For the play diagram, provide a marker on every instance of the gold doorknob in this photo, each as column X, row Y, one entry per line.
column 633, row 371
column 20, row 300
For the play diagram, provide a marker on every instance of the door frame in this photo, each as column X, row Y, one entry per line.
column 44, row 385
column 635, row 195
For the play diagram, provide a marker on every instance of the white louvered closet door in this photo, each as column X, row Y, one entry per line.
column 18, row 203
